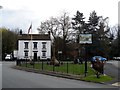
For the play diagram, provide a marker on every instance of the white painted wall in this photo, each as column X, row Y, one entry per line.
column 15, row 53
column 21, row 49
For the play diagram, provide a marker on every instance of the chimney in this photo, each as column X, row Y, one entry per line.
column 48, row 32
column 20, row 31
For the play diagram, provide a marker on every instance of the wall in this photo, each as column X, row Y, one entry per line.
column 39, row 48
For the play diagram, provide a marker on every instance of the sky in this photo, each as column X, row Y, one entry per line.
column 21, row 13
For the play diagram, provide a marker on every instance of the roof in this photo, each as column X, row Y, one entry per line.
column 34, row 37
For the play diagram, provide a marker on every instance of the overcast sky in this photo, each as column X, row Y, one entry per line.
column 20, row 13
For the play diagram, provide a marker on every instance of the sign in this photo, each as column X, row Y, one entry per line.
column 59, row 52
column 85, row 38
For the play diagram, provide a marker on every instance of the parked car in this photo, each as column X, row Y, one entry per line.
column 99, row 57
column 8, row 57
column 116, row 58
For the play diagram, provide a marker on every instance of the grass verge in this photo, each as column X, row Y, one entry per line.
column 101, row 79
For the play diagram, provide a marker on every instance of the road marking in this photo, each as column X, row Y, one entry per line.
column 116, row 84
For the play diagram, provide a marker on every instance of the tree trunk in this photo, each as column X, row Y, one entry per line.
column 54, row 61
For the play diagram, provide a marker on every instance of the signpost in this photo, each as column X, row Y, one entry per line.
column 85, row 39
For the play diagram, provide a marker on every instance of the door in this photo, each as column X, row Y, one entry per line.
column 35, row 56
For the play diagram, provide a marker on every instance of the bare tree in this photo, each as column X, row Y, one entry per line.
column 113, row 32
column 53, row 26
column 59, row 27
column 65, row 26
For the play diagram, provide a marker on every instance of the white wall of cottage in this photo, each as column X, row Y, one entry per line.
column 21, row 48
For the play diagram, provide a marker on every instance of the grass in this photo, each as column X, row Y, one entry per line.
column 76, row 69
column 101, row 79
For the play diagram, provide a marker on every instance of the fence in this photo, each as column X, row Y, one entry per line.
column 68, row 67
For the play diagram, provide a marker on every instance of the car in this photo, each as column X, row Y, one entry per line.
column 99, row 57
column 8, row 57
column 116, row 58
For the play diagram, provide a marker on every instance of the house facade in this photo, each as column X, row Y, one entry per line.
column 34, row 46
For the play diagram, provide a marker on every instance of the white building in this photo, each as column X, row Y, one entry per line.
column 37, row 46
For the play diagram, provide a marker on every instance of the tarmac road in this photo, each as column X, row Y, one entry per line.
column 12, row 78
column 112, row 69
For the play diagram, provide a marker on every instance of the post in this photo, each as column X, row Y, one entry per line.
column 26, row 62
column 33, row 63
column 17, row 62
column 102, row 67
column 67, row 66
column 85, row 67
column 53, row 67
column 20, row 62
column 85, row 61
column 42, row 64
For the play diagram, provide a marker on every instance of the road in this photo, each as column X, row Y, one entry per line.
column 114, row 63
column 12, row 78
column 112, row 69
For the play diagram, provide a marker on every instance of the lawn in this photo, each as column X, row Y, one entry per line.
column 77, row 69
column 94, row 79
column 70, row 68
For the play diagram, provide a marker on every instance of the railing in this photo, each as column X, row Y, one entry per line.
column 64, row 67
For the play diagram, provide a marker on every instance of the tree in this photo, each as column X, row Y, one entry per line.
column 98, row 27
column 80, row 27
column 115, row 43
column 118, row 40
column 65, row 27
column 79, row 24
column 9, row 41
column 59, row 27
column 51, row 25
column 104, row 40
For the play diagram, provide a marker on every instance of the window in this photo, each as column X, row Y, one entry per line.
column 43, row 54
column 26, row 45
column 26, row 53
column 44, row 45
column 35, row 45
